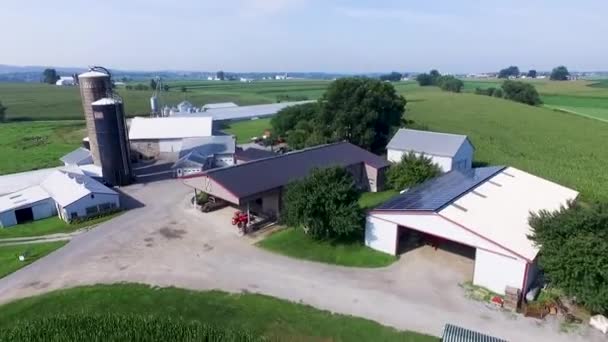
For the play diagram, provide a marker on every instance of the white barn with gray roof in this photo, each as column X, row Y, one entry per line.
column 449, row 151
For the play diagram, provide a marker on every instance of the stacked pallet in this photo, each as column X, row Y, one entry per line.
column 511, row 300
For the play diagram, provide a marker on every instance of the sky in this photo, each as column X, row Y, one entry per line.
column 353, row 36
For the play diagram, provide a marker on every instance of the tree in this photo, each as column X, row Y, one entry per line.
column 498, row 93
column 573, row 243
column 153, row 84
column 166, row 87
column 325, row 205
column 532, row 73
column 560, row 73
column 50, row 76
column 362, row 111
column 521, row 92
column 434, row 76
column 424, row 80
column 511, row 71
column 411, row 170
column 450, row 83
column 2, row 112
column 220, row 75
column 287, row 118
column 392, row 77
column 183, row 89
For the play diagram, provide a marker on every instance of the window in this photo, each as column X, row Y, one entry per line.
column 91, row 210
column 73, row 215
column 92, row 196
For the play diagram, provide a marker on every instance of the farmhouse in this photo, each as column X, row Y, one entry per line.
column 78, row 196
column 259, row 184
column 482, row 212
column 199, row 154
column 162, row 137
column 449, row 151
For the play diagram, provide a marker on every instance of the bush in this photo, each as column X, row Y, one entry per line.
column 115, row 327
column 411, row 170
column 521, row 92
column 450, row 83
column 424, row 80
column 201, row 198
column 80, row 220
column 498, row 93
column 325, row 205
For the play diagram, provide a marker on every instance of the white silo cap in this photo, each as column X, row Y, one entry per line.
column 105, row 101
column 89, row 74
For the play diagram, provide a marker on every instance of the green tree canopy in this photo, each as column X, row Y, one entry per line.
column 532, row 73
column 411, row 170
column 450, row 83
column 50, row 76
column 287, row 118
column 424, row 80
column 560, row 73
column 2, row 112
column 152, row 84
column 521, row 92
column 573, row 245
column 325, row 205
column 393, row 77
column 220, row 75
column 511, row 71
column 361, row 111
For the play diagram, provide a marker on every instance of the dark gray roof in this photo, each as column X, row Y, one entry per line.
column 436, row 193
column 435, row 143
column 251, row 153
column 80, row 156
column 266, row 174
column 207, row 146
column 452, row 333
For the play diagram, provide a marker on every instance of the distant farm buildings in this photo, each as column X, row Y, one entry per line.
column 65, row 81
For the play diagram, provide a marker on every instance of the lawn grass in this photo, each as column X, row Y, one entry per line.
column 294, row 243
column 36, row 145
column 9, row 255
column 273, row 318
column 370, row 200
column 245, row 130
column 51, row 225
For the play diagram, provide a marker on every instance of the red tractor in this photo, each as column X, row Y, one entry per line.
column 240, row 219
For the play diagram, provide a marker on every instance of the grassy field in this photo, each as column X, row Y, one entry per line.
column 273, row 318
column 9, row 255
column 51, row 225
column 245, row 130
column 35, row 145
column 32, row 101
column 295, row 243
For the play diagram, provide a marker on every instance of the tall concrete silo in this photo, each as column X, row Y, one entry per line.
column 104, row 115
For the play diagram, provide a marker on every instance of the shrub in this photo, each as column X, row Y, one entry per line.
column 521, row 92
column 411, row 170
column 80, row 220
column 119, row 327
column 450, row 83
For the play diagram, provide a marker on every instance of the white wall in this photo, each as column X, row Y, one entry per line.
column 463, row 159
column 80, row 206
column 381, row 235
column 438, row 226
column 170, row 145
column 445, row 163
column 496, row 272
column 224, row 160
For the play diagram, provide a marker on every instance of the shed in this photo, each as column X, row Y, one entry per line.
column 261, row 182
column 453, row 333
column 29, row 204
column 449, row 151
column 483, row 210
column 79, row 196
column 78, row 157
column 199, row 154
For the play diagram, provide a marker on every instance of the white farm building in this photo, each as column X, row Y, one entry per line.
column 483, row 212
column 29, row 204
column 449, row 151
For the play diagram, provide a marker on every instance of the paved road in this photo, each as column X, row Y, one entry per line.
column 166, row 243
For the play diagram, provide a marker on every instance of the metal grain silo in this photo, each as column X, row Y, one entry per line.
column 105, row 121
column 112, row 142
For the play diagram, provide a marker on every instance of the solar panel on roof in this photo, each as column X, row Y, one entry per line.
column 439, row 192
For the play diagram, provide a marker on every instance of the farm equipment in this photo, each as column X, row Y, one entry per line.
column 213, row 204
column 241, row 220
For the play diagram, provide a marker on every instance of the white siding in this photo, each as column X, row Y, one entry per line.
column 496, row 272
column 438, row 226
column 445, row 163
column 381, row 235
column 170, row 145
column 463, row 159
column 224, row 160
column 80, row 206
column 8, row 219
column 44, row 209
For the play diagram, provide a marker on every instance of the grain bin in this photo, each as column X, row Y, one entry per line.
column 112, row 142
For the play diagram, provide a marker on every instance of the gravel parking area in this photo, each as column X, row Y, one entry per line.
column 165, row 242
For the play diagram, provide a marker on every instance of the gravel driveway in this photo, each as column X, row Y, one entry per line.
column 167, row 243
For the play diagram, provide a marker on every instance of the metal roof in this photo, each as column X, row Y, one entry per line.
column 80, row 156
column 434, row 194
column 192, row 159
column 252, row 153
column 434, row 143
column 92, row 74
column 242, row 112
column 219, row 105
column 169, row 128
column 269, row 173
column 452, row 333
column 207, row 146
column 23, row 198
column 18, row 181
column 68, row 187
